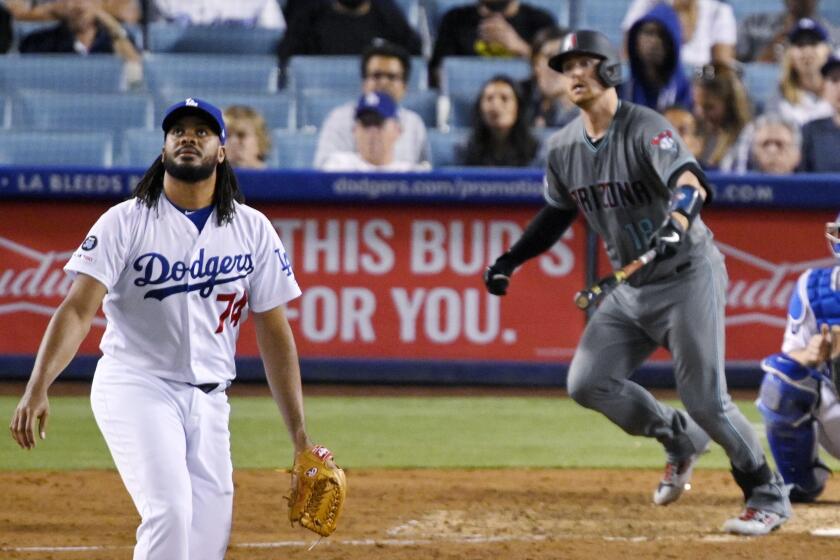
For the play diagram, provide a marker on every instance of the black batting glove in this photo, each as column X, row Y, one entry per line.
column 497, row 275
column 668, row 239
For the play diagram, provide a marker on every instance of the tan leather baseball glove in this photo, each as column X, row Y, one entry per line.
column 319, row 489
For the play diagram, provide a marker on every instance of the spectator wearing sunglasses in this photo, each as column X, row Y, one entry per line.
column 385, row 67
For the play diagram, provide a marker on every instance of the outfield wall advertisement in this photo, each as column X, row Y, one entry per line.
column 384, row 282
column 402, row 282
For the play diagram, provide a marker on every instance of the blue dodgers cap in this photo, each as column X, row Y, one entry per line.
column 378, row 103
column 806, row 27
column 196, row 106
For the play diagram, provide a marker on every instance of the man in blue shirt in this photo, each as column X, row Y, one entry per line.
column 821, row 137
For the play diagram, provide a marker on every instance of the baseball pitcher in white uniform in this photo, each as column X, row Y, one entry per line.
column 177, row 269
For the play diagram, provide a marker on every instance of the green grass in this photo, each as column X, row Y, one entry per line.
column 426, row 432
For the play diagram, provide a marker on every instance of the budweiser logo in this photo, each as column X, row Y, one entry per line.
column 764, row 299
column 37, row 288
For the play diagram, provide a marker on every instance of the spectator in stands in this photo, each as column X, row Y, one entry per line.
column 546, row 101
column 776, row 146
column 85, row 28
column 500, row 135
column 376, row 130
column 345, row 27
column 657, row 79
column 487, row 28
column 126, row 11
column 800, row 86
column 722, row 110
column 708, row 28
column 685, row 124
column 248, row 143
column 820, row 138
column 762, row 37
column 252, row 13
column 769, row 144
column 384, row 67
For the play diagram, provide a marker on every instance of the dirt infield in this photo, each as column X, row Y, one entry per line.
column 425, row 514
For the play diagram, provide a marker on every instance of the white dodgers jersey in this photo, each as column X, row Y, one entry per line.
column 176, row 296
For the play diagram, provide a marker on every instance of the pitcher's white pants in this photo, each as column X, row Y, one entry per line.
column 171, row 445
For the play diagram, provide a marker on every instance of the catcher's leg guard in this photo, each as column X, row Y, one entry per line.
column 788, row 397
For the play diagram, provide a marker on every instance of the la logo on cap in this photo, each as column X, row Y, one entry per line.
column 372, row 99
column 190, row 102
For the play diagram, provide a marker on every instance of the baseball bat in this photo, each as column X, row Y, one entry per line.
column 585, row 299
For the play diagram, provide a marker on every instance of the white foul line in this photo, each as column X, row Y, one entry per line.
column 478, row 539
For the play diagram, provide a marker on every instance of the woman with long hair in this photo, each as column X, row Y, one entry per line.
column 500, row 134
column 800, row 82
column 722, row 109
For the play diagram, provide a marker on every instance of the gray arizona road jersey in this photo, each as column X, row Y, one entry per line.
column 623, row 186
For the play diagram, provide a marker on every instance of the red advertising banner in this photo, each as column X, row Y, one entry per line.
column 378, row 282
column 404, row 281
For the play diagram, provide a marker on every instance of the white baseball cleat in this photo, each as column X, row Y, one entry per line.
column 754, row 522
column 675, row 480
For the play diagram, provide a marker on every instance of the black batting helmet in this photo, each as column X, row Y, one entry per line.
column 591, row 43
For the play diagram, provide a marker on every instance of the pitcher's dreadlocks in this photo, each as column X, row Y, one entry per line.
column 227, row 191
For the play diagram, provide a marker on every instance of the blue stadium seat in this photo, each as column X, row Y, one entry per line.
column 464, row 75
column 762, row 81
column 140, row 146
column 63, row 72
column 5, row 111
column 276, row 108
column 85, row 149
column 340, row 73
column 314, row 107
column 443, row 146
column 830, row 10
column 293, row 150
column 460, row 110
column 220, row 73
column 221, row 39
column 606, row 17
column 743, row 8
column 424, row 103
column 109, row 112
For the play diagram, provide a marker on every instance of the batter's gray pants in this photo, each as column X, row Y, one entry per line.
column 684, row 314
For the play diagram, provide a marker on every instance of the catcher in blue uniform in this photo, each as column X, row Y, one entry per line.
column 798, row 397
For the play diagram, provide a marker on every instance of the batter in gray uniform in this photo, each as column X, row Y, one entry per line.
column 629, row 173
